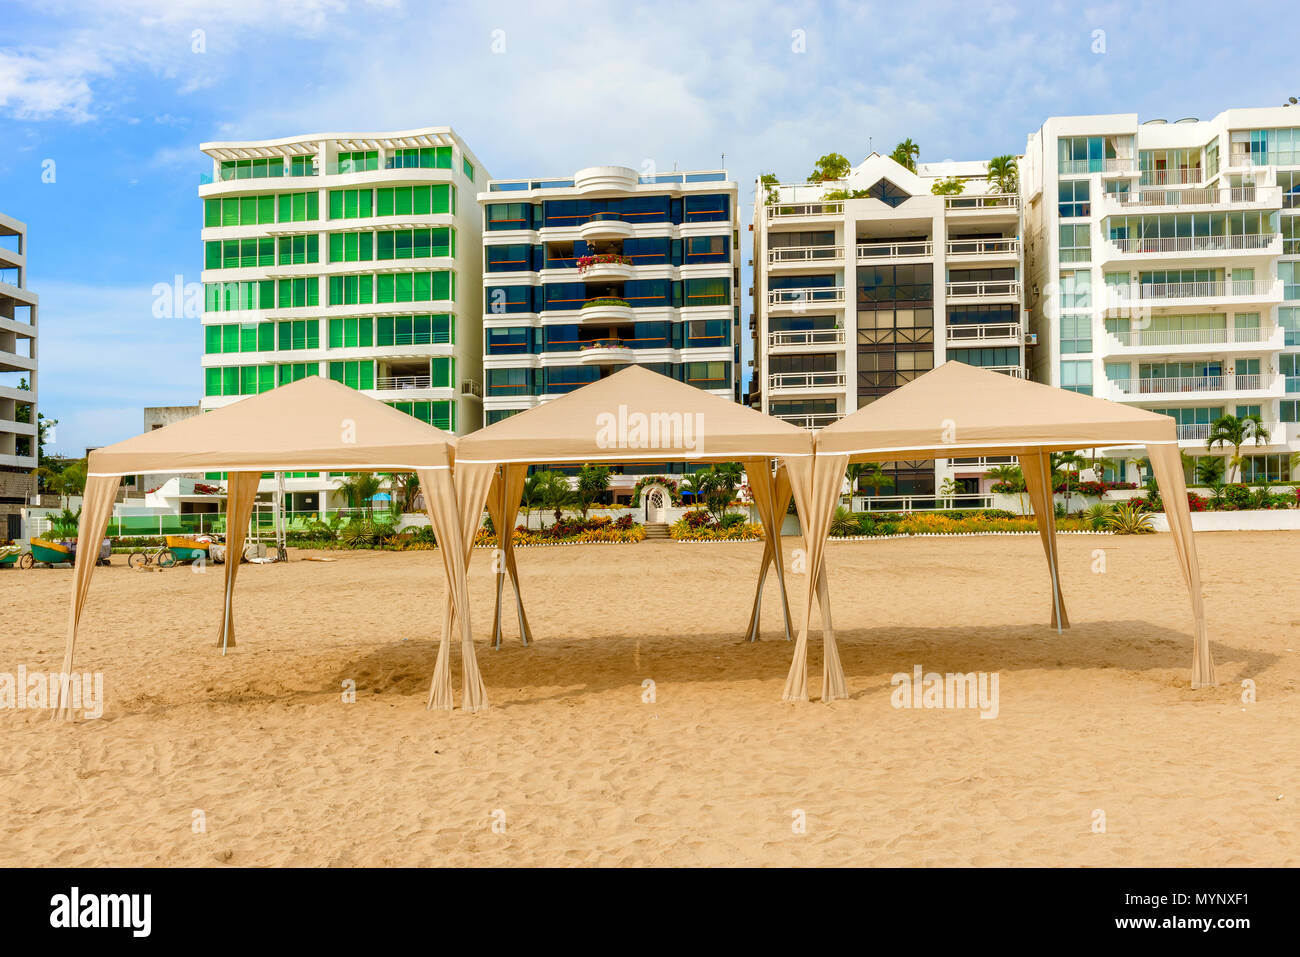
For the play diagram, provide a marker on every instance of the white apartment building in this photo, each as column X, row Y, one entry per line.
column 864, row 284
column 18, row 374
column 586, row 274
column 1163, row 263
column 354, row 256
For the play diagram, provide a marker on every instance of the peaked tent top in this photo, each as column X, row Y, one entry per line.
column 957, row 408
column 311, row 424
column 635, row 415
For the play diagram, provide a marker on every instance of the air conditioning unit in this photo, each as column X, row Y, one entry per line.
column 1031, row 338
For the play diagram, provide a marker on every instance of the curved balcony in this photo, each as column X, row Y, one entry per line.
column 606, row 352
column 606, row 226
column 605, row 177
column 606, row 267
column 606, row 308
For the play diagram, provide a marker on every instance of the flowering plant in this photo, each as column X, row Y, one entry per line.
column 586, row 262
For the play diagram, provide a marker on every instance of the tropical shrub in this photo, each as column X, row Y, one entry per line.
column 1129, row 520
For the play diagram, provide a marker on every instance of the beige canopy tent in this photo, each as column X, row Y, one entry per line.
column 957, row 410
column 310, row 425
column 634, row 415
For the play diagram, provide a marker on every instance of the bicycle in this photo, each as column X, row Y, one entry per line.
column 161, row 556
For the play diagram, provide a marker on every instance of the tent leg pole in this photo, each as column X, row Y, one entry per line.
column 785, row 608
column 519, row 608
column 497, row 617
column 758, row 606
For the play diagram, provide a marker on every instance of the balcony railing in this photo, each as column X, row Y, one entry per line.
column 1196, row 244
column 793, row 210
column 386, row 383
column 1204, row 383
column 982, row 461
column 922, row 503
column 1114, row 164
column 988, row 289
column 895, row 250
column 793, row 297
column 818, row 381
column 977, row 331
column 809, row 420
column 1197, row 197
column 1168, row 177
column 1137, row 338
column 983, row 247
column 982, row 201
column 1016, row 372
column 1194, row 290
column 1274, row 158
column 1199, row 431
column 787, row 255
column 806, row 337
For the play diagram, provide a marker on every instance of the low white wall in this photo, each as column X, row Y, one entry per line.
column 1265, row 519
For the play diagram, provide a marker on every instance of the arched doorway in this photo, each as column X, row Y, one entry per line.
column 655, row 498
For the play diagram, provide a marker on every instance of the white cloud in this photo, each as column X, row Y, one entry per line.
column 103, row 357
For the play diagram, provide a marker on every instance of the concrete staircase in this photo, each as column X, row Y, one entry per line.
column 655, row 532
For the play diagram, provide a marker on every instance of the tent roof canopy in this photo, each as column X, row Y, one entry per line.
column 313, row 424
column 635, row 415
column 961, row 410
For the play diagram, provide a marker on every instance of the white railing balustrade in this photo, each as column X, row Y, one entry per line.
column 895, row 250
column 983, row 247
column 793, row 297
column 806, row 380
column 806, row 337
column 787, row 255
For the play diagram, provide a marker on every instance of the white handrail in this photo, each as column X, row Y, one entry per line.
column 1194, row 244
column 894, row 250
column 790, row 297
column 985, row 289
column 806, row 337
column 806, row 380
column 797, row 254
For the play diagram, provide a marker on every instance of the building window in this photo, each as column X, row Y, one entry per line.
column 1073, row 198
column 889, row 194
column 1075, row 244
column 1076, row 376
column 1076, row 334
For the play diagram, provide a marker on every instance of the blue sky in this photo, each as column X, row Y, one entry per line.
column 115, row 95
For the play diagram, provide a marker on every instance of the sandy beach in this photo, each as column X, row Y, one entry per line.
column 575, row 768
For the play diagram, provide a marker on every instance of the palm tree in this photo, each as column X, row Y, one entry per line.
column 906, row 154
column 1004, row 173
column 553, row 492
column 1229, row 430
column 1066, row 461
column 593, row 482
column 1010, row 475
column 404, row 487
column 852, row 473
column 359, row 489
column 874, row 477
